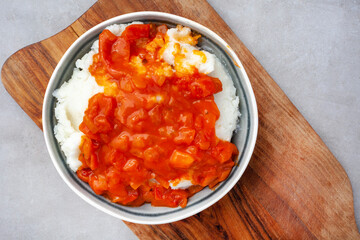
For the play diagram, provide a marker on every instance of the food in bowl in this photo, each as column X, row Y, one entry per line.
column 147, row 116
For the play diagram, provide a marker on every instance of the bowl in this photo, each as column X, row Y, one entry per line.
column 244, row 138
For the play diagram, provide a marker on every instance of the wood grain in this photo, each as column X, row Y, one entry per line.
column 294, row 188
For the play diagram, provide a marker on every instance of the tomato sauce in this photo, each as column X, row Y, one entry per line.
column 151, row 126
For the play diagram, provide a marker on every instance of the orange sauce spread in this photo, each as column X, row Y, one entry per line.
column 151, row 126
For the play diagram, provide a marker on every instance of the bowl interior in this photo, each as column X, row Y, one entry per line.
column 146, row 213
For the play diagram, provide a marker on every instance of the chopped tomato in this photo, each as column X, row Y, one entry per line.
column 181, row 160
column 106, row 40
column 131, row 165
column 98, row 183
column 136, row 31
column 84, row 174
column 120, row 50
column 120, row 142
column 185, row 135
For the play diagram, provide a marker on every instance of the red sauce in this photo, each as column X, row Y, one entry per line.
column 155, row 126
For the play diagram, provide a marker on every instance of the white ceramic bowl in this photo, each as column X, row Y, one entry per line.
column 244, row 138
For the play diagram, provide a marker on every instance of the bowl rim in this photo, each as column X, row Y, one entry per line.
column 246, row 85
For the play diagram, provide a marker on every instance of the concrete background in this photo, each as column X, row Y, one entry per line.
column 310, row 48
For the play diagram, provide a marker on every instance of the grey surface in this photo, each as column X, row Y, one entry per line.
column 311, row 49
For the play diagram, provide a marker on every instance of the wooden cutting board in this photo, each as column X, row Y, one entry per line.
column 294, row 188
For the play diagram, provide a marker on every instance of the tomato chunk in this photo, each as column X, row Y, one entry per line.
column 120, row 142
column 106, row 40
column 120, row 50
column 136, row 31
column 98, row 183
column 84, row 174
column 185, row 135
column 131, row 165
column 181, row 160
